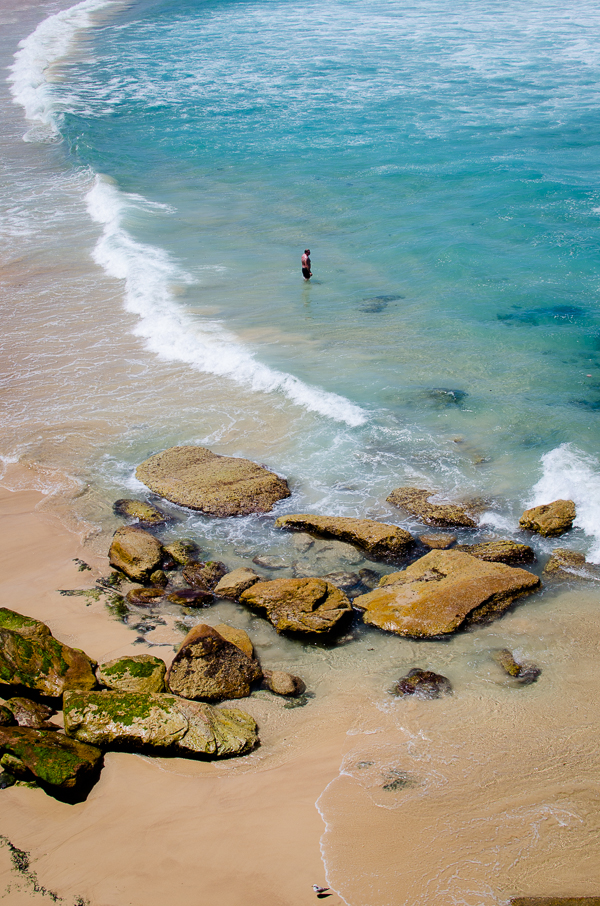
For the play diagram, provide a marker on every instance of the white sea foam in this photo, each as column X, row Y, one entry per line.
column 52, row 40
column 570, row 474
column 173, row 334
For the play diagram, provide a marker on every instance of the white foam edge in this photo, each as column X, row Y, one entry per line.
column 51, row 41
column 570, row 474
column 172, row 333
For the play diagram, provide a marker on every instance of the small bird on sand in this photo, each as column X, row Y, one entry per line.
column 321, row 892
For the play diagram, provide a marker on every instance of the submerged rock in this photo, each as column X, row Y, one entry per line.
column 505, row 551
column 30, row 714
column 144, row 597
column 133, row 673
column 377, row 539
column 183, row 551
column 190, row 597
column 441, row 592
column 346, row 581
column 282, row 683
column 437, row 542
column 208, row 666
column 195, row 477
column 423, row 684
column 445, row 515
column 235, row 582
column 307, row 606
column 205, row 576
column 135, row 552
column 567, row 564
column 549, row 519
column 144, row 513
column 524, row 673
column 158, row 722
column 30, row 656
column 52, row 758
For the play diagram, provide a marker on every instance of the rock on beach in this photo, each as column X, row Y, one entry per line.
column 441, row 592
column 208, row 666
column 51, row 758
column 199, row 479
column 135, row 552
column 305, row 606
column 378, row 539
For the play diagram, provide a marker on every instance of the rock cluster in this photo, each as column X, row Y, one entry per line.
column 196, row 478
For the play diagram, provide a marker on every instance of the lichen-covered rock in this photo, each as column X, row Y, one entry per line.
column 567, row 564
column 282, row 683
column 52, row 758
column 378, row 539
column 441, row 592
column 30, row 714
column 144, row 513
column 158, row 722
column 135, row 552
column 159, row 579
column 30, row 656
column 439, row 542
column 195, row 477
column 549, row 519
column 524, row 673
column 423, row 684
column 133, row 673
column 445, row 515
column 235, row 582
column 307, row 606
column 209, row 667
column 204, row 575
column 505, row 551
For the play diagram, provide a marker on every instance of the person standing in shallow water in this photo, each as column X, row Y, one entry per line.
column 306, row 271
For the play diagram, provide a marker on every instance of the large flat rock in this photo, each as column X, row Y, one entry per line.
column 195, row 477
column 306, row 606
column 441, row 592
column 378, row 539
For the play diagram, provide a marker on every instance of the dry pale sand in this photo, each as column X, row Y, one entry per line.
column 152, row 831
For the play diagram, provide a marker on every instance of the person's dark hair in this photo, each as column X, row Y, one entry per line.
column 307, row 251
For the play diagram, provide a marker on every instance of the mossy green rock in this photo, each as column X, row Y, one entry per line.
column 183, row 551
column 51, row 757
column 135, row 552
column 135, row 673
column 157, row 722
column 378, row 539
column 30, row 656
column 197, row 478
